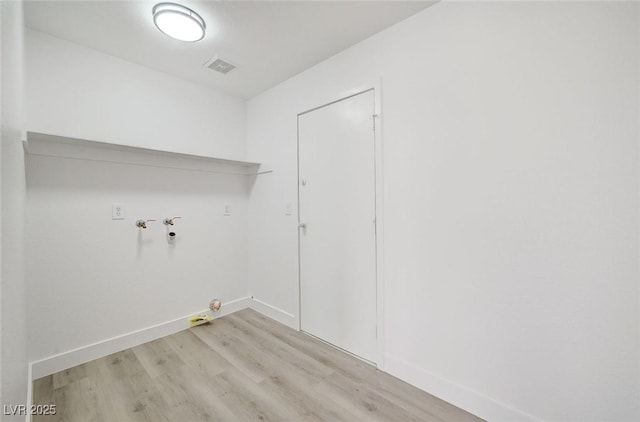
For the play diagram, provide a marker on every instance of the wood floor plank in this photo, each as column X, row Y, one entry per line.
column 134, row 399
column 309, row 404
column 311, row 346
column 302, row 362
column 249, row 401
column 181, row 406
column 201, row 394
column 242, row 367
column 78, row 400
column 43, row 393
column 43, row 390
column 289, row 371
column 275, row 359
column 229, row 347
column 196, row 353
column 114, row 367
column 366, row 401
column 155, row 356
column 62, row 378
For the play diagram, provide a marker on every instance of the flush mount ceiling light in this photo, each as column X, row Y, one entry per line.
column 178, row 22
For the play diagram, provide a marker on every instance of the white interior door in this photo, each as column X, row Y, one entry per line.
column 336, row 158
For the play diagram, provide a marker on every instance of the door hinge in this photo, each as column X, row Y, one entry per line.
column 373, row 118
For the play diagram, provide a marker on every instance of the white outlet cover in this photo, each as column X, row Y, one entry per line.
column 227, row 209
column 117, row 212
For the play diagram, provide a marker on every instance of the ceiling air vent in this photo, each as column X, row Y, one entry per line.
column 219, row 65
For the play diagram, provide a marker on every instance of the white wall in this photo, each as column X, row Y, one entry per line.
column 510, row 135
column 13, row 338
column 91, row 278
column 78, row 92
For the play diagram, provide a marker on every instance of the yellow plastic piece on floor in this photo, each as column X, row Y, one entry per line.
column 200, row 319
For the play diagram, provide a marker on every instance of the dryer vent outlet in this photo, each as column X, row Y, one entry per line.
column 215, row 305
column 219, row 65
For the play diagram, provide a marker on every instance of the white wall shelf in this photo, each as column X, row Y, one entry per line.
column 47, row 145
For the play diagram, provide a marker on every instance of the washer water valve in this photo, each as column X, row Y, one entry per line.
column 169, row 221
column 171, row 235
column 143, row 223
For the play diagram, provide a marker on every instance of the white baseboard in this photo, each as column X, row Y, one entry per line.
column 460, row 396
column 272, row 312
column 71, row 358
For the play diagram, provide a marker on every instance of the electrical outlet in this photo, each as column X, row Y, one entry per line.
column 227, row 209
column 117, row 212
column 288, row 208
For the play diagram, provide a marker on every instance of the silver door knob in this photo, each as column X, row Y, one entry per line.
column 302, row 225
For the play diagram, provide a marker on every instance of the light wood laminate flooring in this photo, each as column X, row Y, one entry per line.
column 241, row 367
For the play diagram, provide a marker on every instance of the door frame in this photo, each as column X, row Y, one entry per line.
column 376, row 87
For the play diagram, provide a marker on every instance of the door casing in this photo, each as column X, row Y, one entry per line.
column 376, row 86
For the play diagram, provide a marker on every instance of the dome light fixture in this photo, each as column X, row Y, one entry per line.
column 178, row 22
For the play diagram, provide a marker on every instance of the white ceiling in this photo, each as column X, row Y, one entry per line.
column 268, row 41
